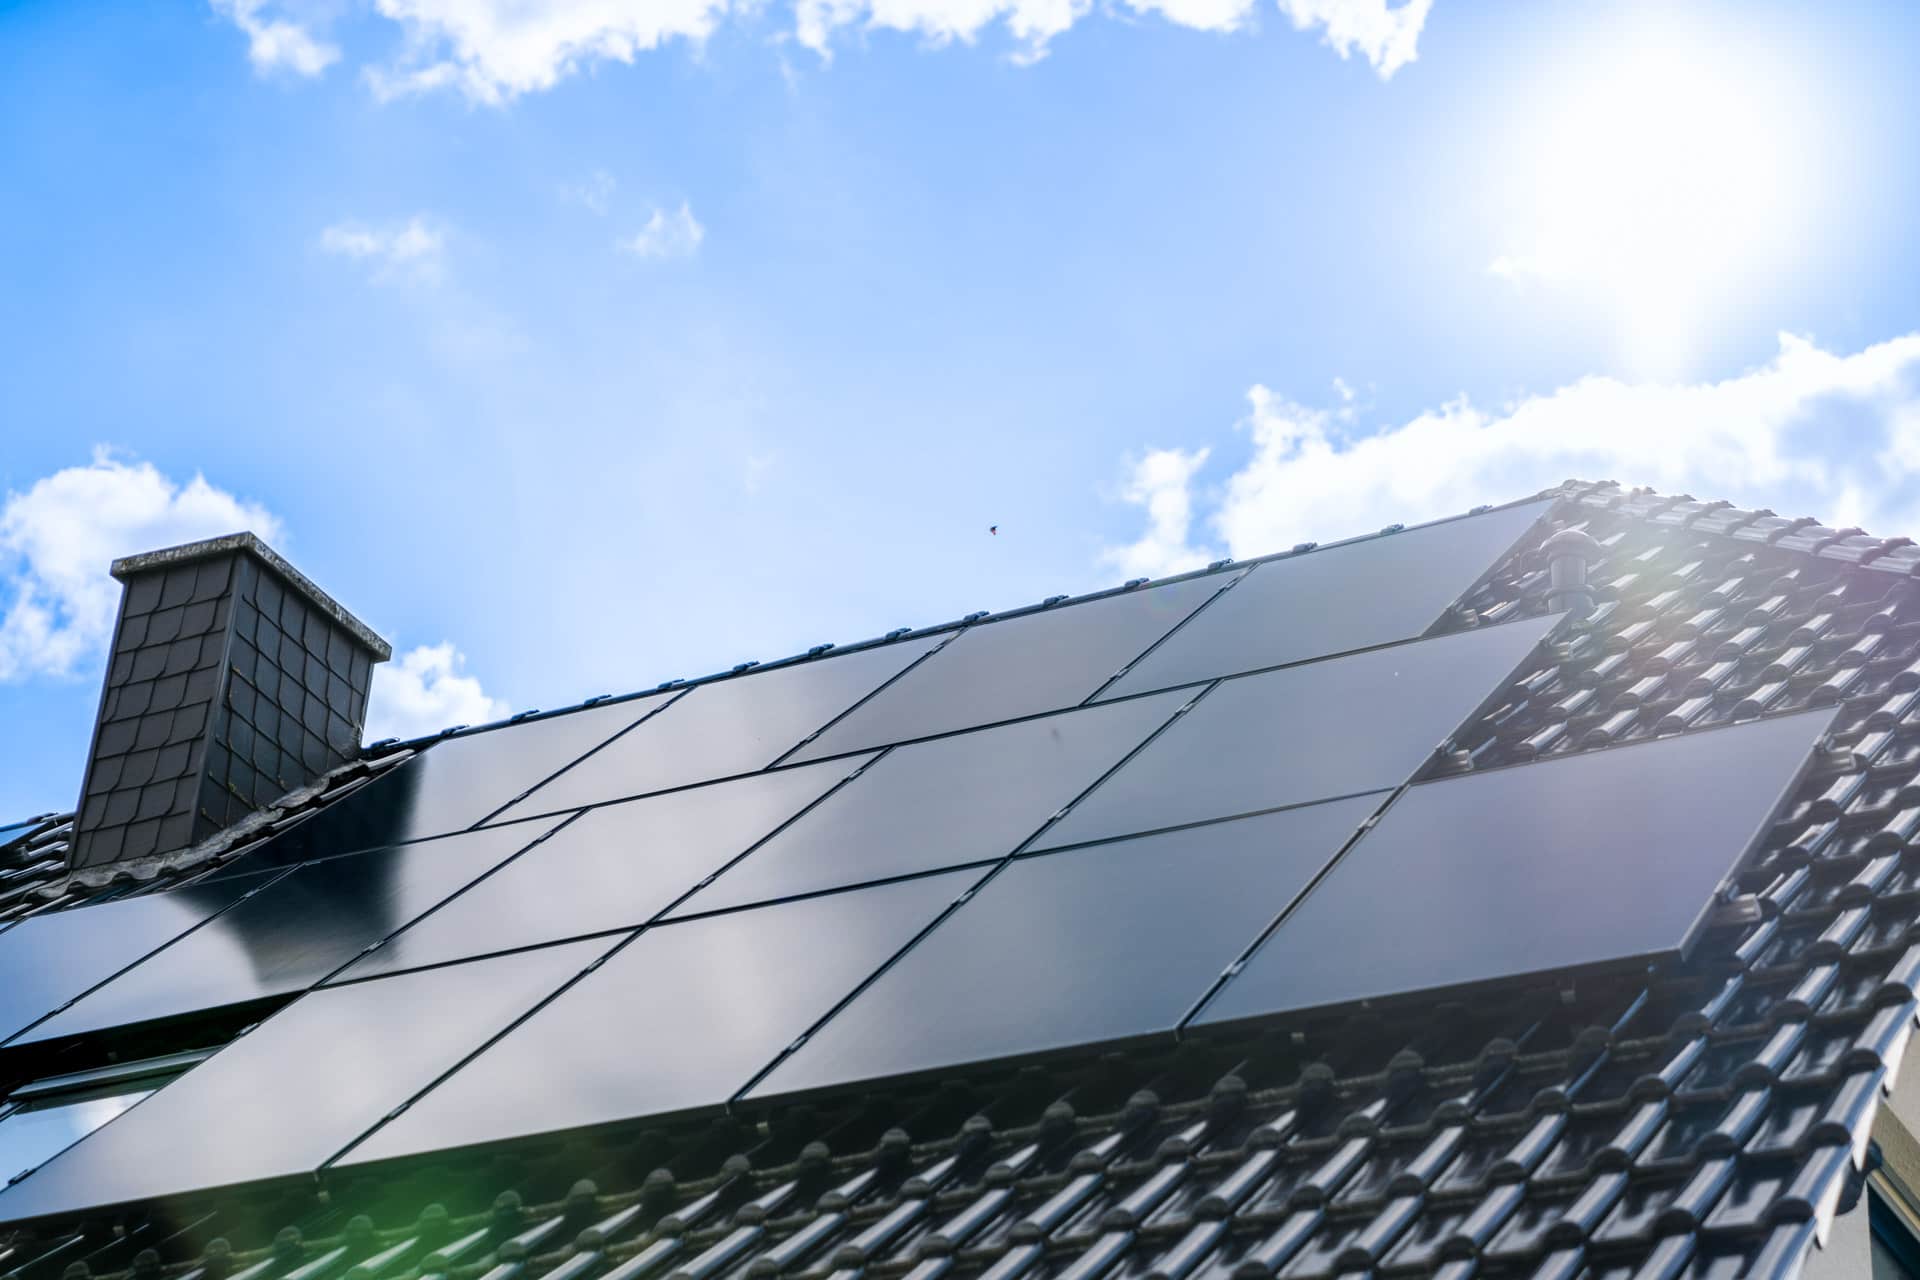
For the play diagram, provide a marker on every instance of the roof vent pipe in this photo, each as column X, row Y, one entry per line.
column 1569, row 553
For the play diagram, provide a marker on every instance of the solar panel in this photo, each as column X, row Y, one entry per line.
column 1082, row 947
column 50, row 959
column 292, row 933
column 613, row 867
column 283, row 1098
column 1337, row 727
column 966, row 798
column 455, row 783
column 1016, row 667
column 281, row 853
column 1529, row 869
column 1334, row 600
column 725, row 728
column 677, row 1022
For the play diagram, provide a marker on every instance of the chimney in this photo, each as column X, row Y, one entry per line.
column 233, row 680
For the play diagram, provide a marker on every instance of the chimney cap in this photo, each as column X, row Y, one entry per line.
column 248, row 543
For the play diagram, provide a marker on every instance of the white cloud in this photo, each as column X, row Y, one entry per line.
column 277, row 43
column 493, row 51
column 1200, row 15
column 1033, row 23
column 1809, row 432
column 58, row 537
column 412, row 250
column 667, row 234
column 1385, row 35
column 1161, row 482
column 424, row 691
column 595, row 195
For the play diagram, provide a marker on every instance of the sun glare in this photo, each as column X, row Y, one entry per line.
column 1658, row 173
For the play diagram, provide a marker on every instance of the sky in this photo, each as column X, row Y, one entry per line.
column 580, row 344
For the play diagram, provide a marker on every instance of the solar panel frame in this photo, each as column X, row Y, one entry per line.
column 289, row 935
column 715, row 718
column 470, row 1106
column 1014, row 668
column 1071, row 950
column 1402, row 597
column 1418, row 815
column 962, row 799
column 237, row 1117
column 579, row 870
column 1274, row 739
column 65, row 971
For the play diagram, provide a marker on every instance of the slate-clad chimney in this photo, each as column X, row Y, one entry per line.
column 233, row 680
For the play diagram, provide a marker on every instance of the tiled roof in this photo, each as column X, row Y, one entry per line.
column 1705, row 1120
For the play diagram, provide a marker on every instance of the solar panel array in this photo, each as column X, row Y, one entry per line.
column 1097, row 823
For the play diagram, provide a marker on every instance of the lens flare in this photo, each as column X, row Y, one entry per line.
column 1657, row 173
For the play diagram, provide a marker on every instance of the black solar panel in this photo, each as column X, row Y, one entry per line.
column 966, row 798
column 453, row 784
column 677, row 1022
column 725, row 728
column 293, row 932
column 1312, row 732
column 1531, row 868
column 1076, row 948
column 1022, row 666
column 280, row 1100
column 48, row 960
column 613, row 867
column 1334, row 600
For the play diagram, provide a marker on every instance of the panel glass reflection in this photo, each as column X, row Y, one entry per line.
column 51, row 959
column 966, row 798
column 293, row 933
column 1335, row 600
column 44, row 1117
column 1076, row 948
column 677, row 1022
column 1529, row 869
column 1016, row 667
column 725, row 728
column 280, row 1100
column 1311, row 732
column 613, row 867
column 32, row 1135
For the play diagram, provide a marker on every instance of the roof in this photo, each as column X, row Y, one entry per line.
column 1706, row 1118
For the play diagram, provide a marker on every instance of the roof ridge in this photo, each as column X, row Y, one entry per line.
column 1224, row 565
column 375, row 757
column 1897, row 556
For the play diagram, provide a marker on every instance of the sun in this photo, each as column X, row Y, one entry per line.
column 1659, row 171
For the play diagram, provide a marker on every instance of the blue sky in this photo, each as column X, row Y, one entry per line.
column 577, row 346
